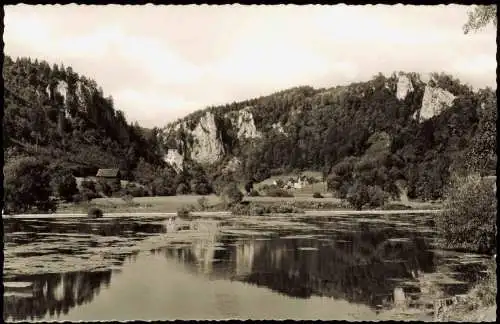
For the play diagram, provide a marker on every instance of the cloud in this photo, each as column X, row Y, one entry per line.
column 160, row 62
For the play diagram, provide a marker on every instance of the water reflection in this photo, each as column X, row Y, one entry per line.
column 360, row 267
column 51, row 294
column 34, row 229
column 364, row 262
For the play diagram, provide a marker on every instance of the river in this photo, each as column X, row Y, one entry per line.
column 343, row 266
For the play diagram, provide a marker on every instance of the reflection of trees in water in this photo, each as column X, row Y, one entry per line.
column 54, row 294
column 356, row 269
column 106, row 227
column 355, row 266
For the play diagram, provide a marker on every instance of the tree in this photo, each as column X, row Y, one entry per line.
column 249, row 187
column 468, row 221
column 27, row 185
column 358, row 195
column 232, row 194
column 182, row 189
column 480, row 17
column 64, row 185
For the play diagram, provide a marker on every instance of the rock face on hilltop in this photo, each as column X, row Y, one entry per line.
column 404, row 87
column 245, row 125
column 175, row 159
column 205, row 144
column 207, row 147
column 434, row 102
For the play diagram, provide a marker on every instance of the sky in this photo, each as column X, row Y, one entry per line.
column 160, row 63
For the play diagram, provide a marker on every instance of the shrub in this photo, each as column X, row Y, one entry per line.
column 77, row 198
column 485, row 291
column 87, row 184
column 88, row 195
column 232, row 194
column 254, row 193
column 104, row 187
column 284, row 209
column 274, row 191
column 357, row 195
column 133, row 190
column 129, row 200
column 203, row 203
column 469, row 219
column 200, row 187
column 182, row 189
column 376, row 196
column 257, row 210
column 240, row 209
column 184, row 212
column 360, row 195
column 64, row 185
column 317, row 195
column 95, row 212
column 27, row 185
column 249, row 187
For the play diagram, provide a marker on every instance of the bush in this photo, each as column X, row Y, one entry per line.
column 88, row 195
column 64, row 185
column 203, row 203
column 469, row 219
column 257, row 210
column 77, row 198
column 133, row 190
column 376, row 196
column 104, row 187
column 182, row 189
column 249, row 187
column 95, row 212
column 232, row 194
column 357, row 196
column 284, row 209
column 27, row 185
column 360, row 195
column 254, row 193
column 241, row 209
column 274, row 191
column 253, row 209
column 317, row 195
column 129, row 200
column 87, row 184
column 184, row 212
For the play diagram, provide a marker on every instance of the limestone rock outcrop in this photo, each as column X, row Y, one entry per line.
column 434, row 102
column 404, row 87
column 207, row 147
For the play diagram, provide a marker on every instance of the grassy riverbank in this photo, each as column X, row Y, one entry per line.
column 169, row 204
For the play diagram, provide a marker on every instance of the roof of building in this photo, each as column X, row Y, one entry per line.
column 108, row 173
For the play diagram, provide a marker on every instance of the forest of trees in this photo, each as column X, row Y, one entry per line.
column 58, row 124
column 360, row 136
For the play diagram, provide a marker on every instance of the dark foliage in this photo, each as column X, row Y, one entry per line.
column 317, row 195
column 362, row 133
column 27, row 185
column 95, row 212
column 54, row 113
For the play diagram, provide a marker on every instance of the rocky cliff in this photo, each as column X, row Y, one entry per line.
column 207, row 146
column 434, row 102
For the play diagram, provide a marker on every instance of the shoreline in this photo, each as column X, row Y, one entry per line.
column 228, row 213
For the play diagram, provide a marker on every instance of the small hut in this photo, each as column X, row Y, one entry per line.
column 110, row 176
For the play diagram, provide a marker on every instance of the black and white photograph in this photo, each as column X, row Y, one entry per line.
column 249, row 162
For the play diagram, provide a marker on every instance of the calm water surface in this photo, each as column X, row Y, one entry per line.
column 301, row 267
